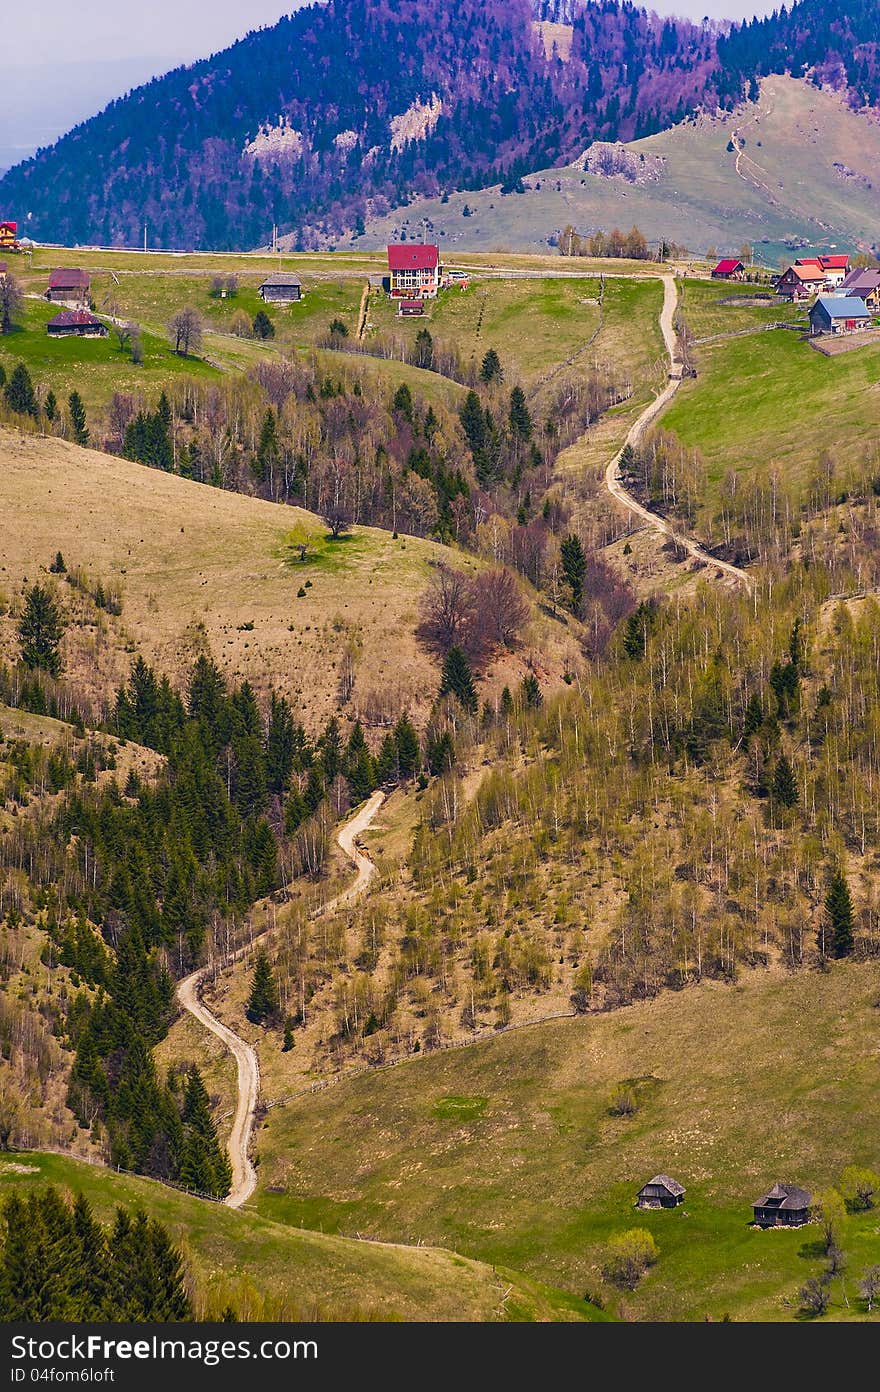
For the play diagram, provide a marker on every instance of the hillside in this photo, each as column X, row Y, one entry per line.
column 200, row 569
column 267, row 1270
column 507, row 1150
column 447, row 96
column 805, row 171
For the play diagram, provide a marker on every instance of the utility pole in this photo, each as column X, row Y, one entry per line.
column 145, row 238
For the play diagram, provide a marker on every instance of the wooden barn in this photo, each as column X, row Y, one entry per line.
column 281, row 289
column 839, row 314
column 78, row 323
column 414, row 270
column 660, row 1192
column 785, row 1206
column 729, row 269
column 69, row 286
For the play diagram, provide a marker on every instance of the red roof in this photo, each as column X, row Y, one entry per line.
column 9, row 226
column 415, row 256
column 69, row 280
column 69, row 318
column 728, row 266
column 834, row 263
column 412, row 304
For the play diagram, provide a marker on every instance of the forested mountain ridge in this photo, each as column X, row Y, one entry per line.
column 341, row 110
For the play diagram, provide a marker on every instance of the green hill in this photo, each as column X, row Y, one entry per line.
column 806, row 172
column 267, row 1270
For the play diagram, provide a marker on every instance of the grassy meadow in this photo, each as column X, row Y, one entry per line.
column 507, row 1151
column 268, row 1270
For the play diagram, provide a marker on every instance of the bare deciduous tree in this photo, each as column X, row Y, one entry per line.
column 185, row 331
column 338, row 518
column 446, row 611
column 11, row 301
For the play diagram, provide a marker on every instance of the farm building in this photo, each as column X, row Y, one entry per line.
column 839, row 314
column 800, row 282
column 406, row 308
column 9, row 236
column 69, row 287
column 660, row 1192
column 865, row 285
column 785, row 1206
column 729, row 269
column 77, row 323
column 281, row 289
column 414, row 270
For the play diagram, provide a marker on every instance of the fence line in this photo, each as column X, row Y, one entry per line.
column 116, row 1169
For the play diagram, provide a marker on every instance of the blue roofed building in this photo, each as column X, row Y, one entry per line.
column 839, row 314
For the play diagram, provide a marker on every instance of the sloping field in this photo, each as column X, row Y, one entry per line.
column 202, row 568
column 269, row 1271
column 808, row 171
column 507, row 1151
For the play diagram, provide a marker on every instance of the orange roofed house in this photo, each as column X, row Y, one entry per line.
column 834, row 268
column 800, row 282
column 414, row 270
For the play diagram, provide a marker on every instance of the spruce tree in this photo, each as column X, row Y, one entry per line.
column 457, row 680
column 19, row 392
column 78, row 418
column 51, row 407
column 289, row 1040
column 836, row 934
column 268, row 450
column 754, row 717
column 279, row 744
column 263, row 1003
column 408, row 751
column 574, row 566
column 490, row 368
column 262, row 326
column 519, row 417
column 40, row 630
column 785, row 788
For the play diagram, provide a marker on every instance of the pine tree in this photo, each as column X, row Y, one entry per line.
column 531, row 691
column 519, row 417
column 457, row 680
column 785, row 788
column 263, row 1003
column 574, row 566
column 40, row 631
column 268, row 450
column 78, row 418
column 490, row 368
column 262, row 325
column 19, row 392
column 51, row 407
column 289, row 1040
column 279, row 744
column 836, row 934
column 408, row 751
column 754, row 717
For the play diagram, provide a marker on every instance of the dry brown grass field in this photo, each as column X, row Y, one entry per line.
column 199, row 568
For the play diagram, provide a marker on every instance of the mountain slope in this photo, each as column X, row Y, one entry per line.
column 805, row 170
column 301, row 123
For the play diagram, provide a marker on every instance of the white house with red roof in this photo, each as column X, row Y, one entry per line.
column 834, row 268
column 414, row 270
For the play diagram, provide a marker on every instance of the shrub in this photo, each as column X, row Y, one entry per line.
column 628, row 1257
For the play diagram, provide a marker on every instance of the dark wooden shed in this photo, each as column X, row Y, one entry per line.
column 660, row 1192
column 281, row 289
column 785, row 1206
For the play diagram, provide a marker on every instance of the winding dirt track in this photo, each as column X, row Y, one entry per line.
column 244, row 1178
column 651, row 412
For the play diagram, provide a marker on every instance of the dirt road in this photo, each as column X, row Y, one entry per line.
column 244, row 1178
column 650, row 414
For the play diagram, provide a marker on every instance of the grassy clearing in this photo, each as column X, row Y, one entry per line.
column 533, row 325
column 94, row 367
column 272, row 1271
column 702, row 304
column 536, row 1173
column 768, row 399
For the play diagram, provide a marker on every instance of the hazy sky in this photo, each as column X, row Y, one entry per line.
column 182, row 30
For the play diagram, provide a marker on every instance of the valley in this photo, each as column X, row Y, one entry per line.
column 440, row 678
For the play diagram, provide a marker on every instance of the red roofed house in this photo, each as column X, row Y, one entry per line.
column 801, row 281
column 729, row 269
column 69, row 287
column 76, row 321
column 405, row 308
column 834, row 268
column 414, row 270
